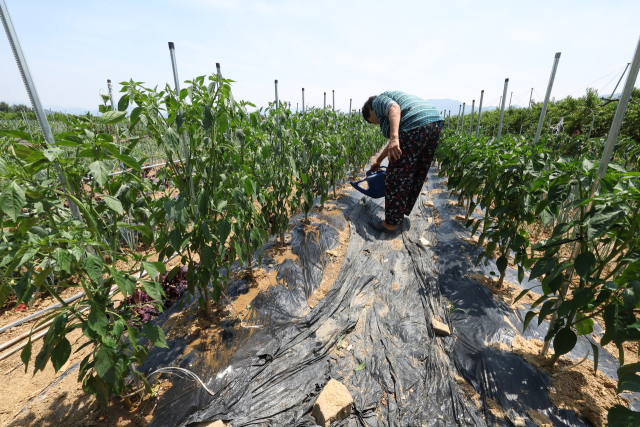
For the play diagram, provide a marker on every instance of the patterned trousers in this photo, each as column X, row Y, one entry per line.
column 405, row 177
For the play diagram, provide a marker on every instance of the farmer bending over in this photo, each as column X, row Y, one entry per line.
column 413, row 127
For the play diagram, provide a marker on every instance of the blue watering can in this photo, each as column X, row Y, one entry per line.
column 375, row 182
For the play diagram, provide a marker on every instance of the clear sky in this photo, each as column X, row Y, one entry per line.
column 433, row 49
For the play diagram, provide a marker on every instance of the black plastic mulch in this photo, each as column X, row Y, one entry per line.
column 372, row 332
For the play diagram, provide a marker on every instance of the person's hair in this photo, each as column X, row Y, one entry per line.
column 366, row 108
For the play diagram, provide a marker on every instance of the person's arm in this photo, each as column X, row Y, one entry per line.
column 393, row 148
column 376, row 165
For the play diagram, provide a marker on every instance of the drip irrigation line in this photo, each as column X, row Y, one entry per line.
column 169, row 370
column 39, row 313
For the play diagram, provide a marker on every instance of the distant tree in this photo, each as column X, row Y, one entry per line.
column 17, row 108
column 4, row 107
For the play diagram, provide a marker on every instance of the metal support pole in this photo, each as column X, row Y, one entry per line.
column 303, row 109
column 277, row 102
column 34, row 98
column 530, row 98
column 325, row 101
column 510, row 98
column 462, row 124
column 604, row 164
column 350, row 113
column 473, row 105
column 479, row 113
column 334, row 100
column 614, row 89
column 504, row 98
column 458, row 121
column 521, row 124
column 185, row 147
column 549, row 127
column 113, row 107
column 546, row 98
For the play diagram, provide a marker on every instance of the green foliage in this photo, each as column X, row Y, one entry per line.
column 231, row 178
column 518, row 185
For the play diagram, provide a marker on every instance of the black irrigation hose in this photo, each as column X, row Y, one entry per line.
column 562, row 242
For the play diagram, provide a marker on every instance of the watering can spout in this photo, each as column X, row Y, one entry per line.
column 365, row 191
column 375, row 184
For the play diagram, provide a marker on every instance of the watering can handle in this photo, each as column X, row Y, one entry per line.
column 370, row 172
column 356, row 185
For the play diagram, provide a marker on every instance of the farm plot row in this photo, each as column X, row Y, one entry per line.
column 231, row 178
column 588, row 260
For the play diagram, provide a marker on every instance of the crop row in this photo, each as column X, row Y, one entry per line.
column 589, row 265
column 231, row 178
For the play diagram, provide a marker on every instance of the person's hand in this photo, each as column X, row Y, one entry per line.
column 394, row 149
column 375, row 165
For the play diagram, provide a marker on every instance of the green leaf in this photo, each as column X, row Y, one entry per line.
column 100, row 172
column 628, row 380
column 155, row 334
column 204, row 200
column 25, row 356
column 37, row 281
column 154, row 268
column 546, row 309
column 564, row 341
column 93, row 266
column 118, row 327
column 12, row 200
column 583, row 325
column 63, row 258
column 171, row 141
column 128, row 161
column 15, row 133
column 630, row 298
column 502, row 263
column 60, row 354
column 223, row 122
column 580, row 298
column 207, row 257
column 5, row 291
column 97, row 320
column 112, row 117
column 114, row 204
column 102, row 392
column 585, row 264
column 175, row 239
column 361, row 366
column 620, row 416
column 52, row 153
column 527, row 319
column 556, row 272
column 154, row 289
column 104, row 362
column 596, row 355
column 125, row 282
column 123, row 103
column 602, row 221
column 207, row 117
column 224, row 228
column 544, row 265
